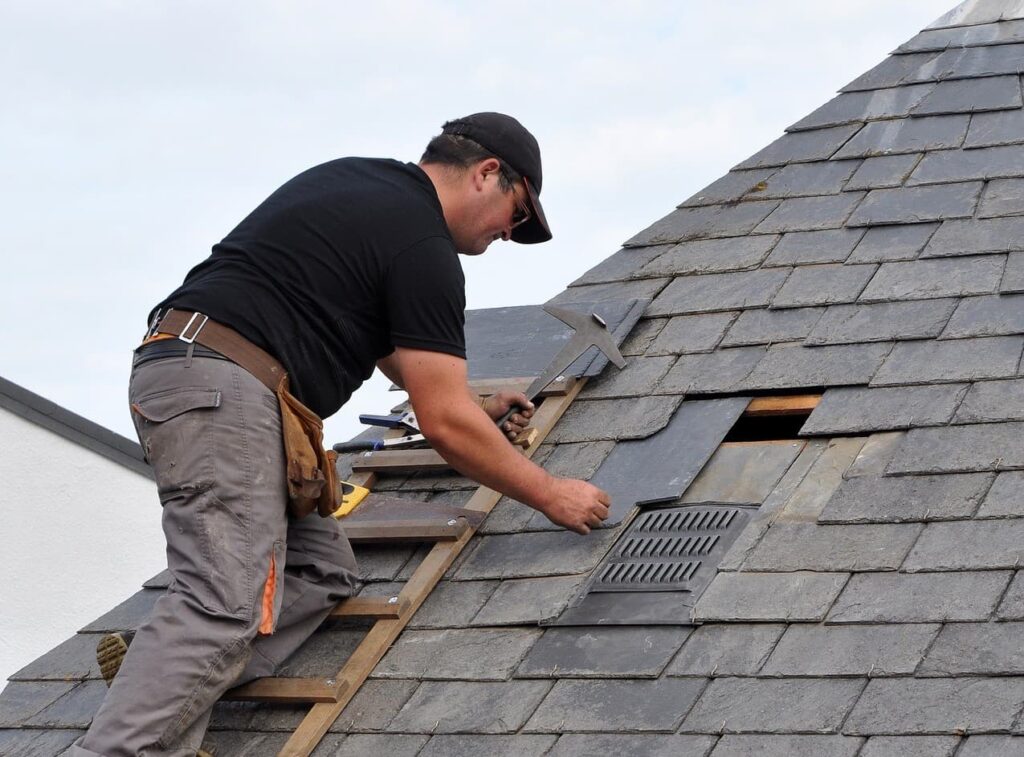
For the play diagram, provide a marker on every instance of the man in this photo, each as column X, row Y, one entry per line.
column 351, row 264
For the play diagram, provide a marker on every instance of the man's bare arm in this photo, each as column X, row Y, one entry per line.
column 467, row 437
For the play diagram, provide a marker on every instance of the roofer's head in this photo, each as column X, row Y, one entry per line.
column 489, row 181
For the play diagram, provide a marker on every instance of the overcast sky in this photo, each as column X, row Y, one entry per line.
column 135, row 134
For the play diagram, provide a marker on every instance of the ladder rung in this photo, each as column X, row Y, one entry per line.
column 371, row 607
column 288, row 690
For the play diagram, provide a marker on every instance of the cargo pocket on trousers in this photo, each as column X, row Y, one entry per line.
column 169, row 424
column 210, row 554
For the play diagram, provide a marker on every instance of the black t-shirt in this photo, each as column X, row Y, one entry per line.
column 332, row 271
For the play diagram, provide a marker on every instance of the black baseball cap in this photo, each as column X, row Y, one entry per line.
column 509, row 140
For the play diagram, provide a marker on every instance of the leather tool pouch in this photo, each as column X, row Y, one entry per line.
column 312, row 478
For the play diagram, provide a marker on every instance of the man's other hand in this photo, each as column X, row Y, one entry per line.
column 498, row 404
column 576, row 505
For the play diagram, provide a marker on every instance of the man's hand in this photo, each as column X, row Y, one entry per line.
column 576, row 505
column 498, row 404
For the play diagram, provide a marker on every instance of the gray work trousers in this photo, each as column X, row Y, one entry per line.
column 249, row 583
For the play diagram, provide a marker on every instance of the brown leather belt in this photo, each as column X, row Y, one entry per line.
column 192, row 327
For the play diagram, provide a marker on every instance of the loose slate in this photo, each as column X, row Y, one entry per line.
column 522, row 341
column 660, row 467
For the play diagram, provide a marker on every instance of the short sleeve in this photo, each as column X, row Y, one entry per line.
column 426, row 298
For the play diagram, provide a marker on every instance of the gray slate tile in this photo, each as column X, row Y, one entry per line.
column 709, row 221
column 910, row 746
column 721, row 371
column 452, row 604
column 240, row 744
column 857, row 409
column 807, row 546
column 987, row 316
column 808, row 179
column 823, row 285
column 988, row 745
column 493, row 746
column 381, row 562
column 600, row 420
column 975, row 649
column 711, row 256
column 75, row 709
column 660, row 468
column 935, row 706
column 809, row 213
column 372, row 707
column 969, row 545
column 1012, row 605
column 356, row 745
column 919, row 597
column 960, row 449
column 809, row 247
column 638, row 379
column 881, row 322
column 865, row 106
column 128, row 615
column 718, row 291
column 752, row 597
column 602, row 652
column 805, row 503
column 992, row 401
column 72, row 660
column 31, row 743
column 971, row 96
column 726, row 649
column 792, row 366
column 932, row 279
column 617, row 290
column 758, row 705
column 885, row 243
column 975, row 237
column 734, row 186
column 787, row 746
column 1006, row 497
column 319, row 655
column 578, row 460
column 615, row 705
column 764, row 326
column 528, row 601
column 883, row 171
column 469, row 707
column 743, row 475
column 691, row 333
column 622, row 265
column 974, row 62
column 997, row 128
column 906, row 135
column 891, row 71
column 968, row 165
column 801, row 147
column 872, row 499
column 20, row 701
column 856, row 650
column 536, row 554
column 952, row 360
column 917, row 204
column 1002, row 197
column 640, row 338
column 1013, row 276
column 649, row 745
column 875, row 455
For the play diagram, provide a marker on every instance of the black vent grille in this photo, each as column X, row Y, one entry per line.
column 664, row 550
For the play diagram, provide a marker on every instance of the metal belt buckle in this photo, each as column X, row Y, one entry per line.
column 191, row 339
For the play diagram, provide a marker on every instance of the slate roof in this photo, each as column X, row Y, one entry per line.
column 872, row 604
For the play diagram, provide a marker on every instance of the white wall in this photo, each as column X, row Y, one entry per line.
column 61, row 506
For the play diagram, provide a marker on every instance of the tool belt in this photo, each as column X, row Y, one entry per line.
column 310, row 469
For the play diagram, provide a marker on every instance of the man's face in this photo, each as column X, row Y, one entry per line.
column 495, row 214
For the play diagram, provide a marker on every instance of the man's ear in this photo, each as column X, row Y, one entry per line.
column 483, row 169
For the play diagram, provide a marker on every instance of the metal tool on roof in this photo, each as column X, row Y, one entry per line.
column 591, row 331
column 405, row 421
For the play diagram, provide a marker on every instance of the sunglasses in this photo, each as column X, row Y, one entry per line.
column 522, row 212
